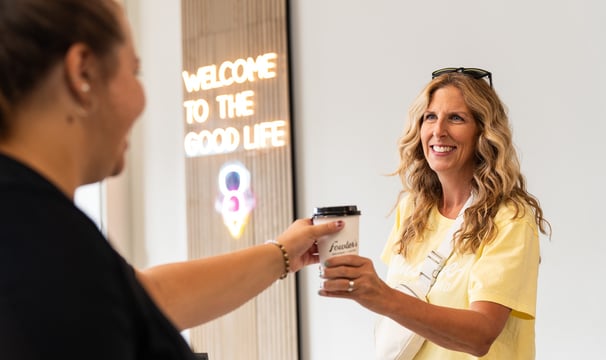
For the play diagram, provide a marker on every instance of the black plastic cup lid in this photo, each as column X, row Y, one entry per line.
column 337, row 211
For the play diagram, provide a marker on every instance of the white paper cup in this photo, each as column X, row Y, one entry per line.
column 343, row 242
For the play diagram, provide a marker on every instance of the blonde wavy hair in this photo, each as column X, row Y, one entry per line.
column 497, row 178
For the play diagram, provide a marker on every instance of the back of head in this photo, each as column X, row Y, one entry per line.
column 36, row 34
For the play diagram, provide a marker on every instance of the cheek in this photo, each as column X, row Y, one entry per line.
column 129, row 108
column 425, row 135
column 473, row 142
column 135, row 101
column 140, row 98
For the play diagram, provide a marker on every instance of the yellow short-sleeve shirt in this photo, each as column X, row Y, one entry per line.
column 505, row 271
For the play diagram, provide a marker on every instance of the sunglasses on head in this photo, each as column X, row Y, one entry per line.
column 473, row 72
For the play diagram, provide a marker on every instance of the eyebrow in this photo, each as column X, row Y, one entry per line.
column 461, row 113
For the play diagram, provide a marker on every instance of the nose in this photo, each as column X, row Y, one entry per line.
column 439, row 128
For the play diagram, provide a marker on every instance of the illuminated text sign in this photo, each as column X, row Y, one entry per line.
column 230, row 106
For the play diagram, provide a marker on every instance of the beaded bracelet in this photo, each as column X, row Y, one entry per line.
column 284, row 256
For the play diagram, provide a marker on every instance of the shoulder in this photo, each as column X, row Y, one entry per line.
column 517, row 230
column 47, row 238
column 512, row 213
column 405, row 205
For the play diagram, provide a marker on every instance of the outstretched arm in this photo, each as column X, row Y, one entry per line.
column 196, row 291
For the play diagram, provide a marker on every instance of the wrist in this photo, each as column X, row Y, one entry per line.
column 285, row 257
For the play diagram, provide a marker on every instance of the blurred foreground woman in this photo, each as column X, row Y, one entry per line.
column 69, row 95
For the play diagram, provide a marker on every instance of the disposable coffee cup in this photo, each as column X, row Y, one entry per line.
column 343, row 242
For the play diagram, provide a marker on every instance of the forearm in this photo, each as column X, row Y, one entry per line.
column 194, row 292
column 468, row 330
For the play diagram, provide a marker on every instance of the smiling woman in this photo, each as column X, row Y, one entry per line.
column 462, row 190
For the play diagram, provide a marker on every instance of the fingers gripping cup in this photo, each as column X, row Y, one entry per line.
column 345, row 241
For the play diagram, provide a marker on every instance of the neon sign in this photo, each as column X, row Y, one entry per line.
column 236, row 199
column 228, row 73
column 228, row 139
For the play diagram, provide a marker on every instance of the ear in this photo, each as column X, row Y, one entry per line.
column 80, row 70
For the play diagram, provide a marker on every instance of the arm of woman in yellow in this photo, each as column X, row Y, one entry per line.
column 196, row 291
column 470, row 330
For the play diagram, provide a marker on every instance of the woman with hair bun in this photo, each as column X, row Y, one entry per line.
column 69, row 95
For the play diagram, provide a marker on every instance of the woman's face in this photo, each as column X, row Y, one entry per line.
column 121, row 101
column 448, row 134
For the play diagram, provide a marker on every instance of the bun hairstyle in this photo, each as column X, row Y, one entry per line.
column 36, row 34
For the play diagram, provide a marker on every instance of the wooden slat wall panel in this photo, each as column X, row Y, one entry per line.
column 215, row 31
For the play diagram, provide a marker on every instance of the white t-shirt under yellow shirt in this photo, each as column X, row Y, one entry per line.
column 504, row 271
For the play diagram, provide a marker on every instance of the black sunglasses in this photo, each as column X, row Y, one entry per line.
column 473, row 72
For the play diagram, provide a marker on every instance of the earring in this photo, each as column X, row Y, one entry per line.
column 85, row 87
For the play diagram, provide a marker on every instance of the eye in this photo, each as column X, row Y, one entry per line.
column 457, row 118
column 429, row 117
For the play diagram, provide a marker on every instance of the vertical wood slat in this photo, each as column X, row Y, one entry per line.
column 215, row 31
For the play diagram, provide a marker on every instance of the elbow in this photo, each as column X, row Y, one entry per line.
column 480, row 351
column 482, row 346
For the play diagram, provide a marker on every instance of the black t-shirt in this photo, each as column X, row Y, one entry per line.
column 65, row 293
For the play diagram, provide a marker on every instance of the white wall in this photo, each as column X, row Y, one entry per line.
column 357, row 65
column 156, row 166
column 89, row 198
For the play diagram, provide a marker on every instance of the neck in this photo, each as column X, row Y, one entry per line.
column 453, row 199
column 43, row 135
column 45, row 150
column 49, row 168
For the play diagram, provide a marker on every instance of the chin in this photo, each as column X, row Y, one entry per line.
column 118, row 168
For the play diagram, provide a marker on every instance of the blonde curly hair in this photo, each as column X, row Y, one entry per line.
column 497, row 178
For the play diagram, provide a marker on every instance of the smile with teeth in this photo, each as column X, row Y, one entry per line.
column 442, row 148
